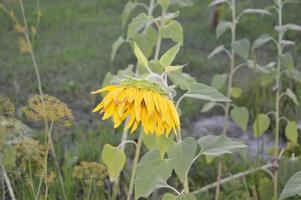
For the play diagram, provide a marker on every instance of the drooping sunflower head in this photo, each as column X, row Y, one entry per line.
column 141, row 102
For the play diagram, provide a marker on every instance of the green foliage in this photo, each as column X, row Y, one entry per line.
column 173, row 30
column 151, row 165
column 167, row 58
column 188, row 196
column 240, row 116
column 261, row 124
column 242, row 48
column 291, row 132
column 218, row 145
column 293, row 187
column 181, row 155
column 204, row 92
column 114, row 159
column 162, row 144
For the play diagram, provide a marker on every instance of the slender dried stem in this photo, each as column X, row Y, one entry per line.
column 8, row 183
column 229, row 89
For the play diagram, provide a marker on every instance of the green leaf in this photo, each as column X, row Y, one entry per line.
column 169, row 55
column 287, row 60
column 222, row 27
column 262, row 40
column 266, row 79
column 218, row 145
column 114, row 158
column 219, row 81
column 204, row 92
column 137, row 24
column 240, row 116
column 168, row 196
column 242, row 48
column 170, row 69
column 116, row 46
column 292, row 95
column 162, row 144
column 181, row 155
column 284, row 28
column 216, row 51
column 187, row 196
column 146, row 40
column 292, row 187
column 261, row 124
column 208, row 106
column 173, row 30
column 129, row 7
column 164, row 4
column 291, row 132
column 293, row 73
column 152, row 173
column 182, row 3
column 236, row 92
column 265, row 188
column 255, row 11
column 216, row 2
column 140, row 56
column 182, row 80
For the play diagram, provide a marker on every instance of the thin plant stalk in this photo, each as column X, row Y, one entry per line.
column 45, row 164
column 278, row 95
column 8, row 183
column 57, row 164
column 34, row 61
column 229, row 89
column 135, row 165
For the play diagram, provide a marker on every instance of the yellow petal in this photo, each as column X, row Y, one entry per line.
column 98, row 107
column 107, row 88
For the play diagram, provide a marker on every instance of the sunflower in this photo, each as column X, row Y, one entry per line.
column 141, row 102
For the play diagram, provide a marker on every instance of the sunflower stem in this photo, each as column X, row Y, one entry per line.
column 135, row 165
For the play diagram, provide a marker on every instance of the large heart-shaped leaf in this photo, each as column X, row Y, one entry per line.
column 181, row 155
column 240, row 115
column 292, row 187
column 162, row 144
column 261, row 124
column 114, row 159
column 204, row 92
column 152, row 173
column 218, row 145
